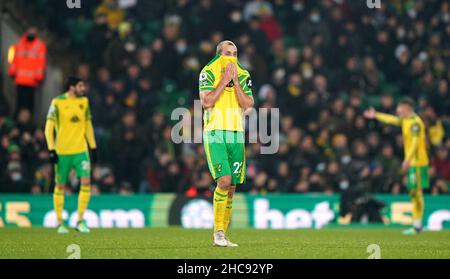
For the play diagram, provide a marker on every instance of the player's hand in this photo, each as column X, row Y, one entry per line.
column 53, row 157
column 370, row 113
column 405, row 166
column 235, row 73
column 94, row 156
column 227, row 75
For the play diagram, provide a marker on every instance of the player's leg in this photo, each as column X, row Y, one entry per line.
column 62, row 170
column 228, row 214
column 418, row 208
column 417, row 180
column 229, row 208
column 423, row 182
column 220, row 207
column 236, row 149
column 217, row 158
column 412, row 187
column 83, row 169
column 58, row 205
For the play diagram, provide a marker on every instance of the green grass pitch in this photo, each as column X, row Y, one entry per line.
column 178, row 243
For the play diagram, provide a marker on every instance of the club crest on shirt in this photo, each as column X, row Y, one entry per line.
column 75, row 119
column 219, row 167
column 415, row 128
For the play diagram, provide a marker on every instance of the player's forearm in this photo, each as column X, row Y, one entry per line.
column 49, row 136
column 244, row 100
column 388, row 119
column 90, row 137
column 209, row 98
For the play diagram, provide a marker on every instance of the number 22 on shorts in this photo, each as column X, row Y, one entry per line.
column 237, row 167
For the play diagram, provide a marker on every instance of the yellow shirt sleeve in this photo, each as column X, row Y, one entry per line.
column 246, row 83
column 49, row 133
column 388, row 119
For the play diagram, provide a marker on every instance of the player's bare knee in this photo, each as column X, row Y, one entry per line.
column 59, row 187
column 85, row 181
column 224, row 183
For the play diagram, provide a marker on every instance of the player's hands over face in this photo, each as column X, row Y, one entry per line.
column 370, row 113
column 235, row 73
column 227, row 75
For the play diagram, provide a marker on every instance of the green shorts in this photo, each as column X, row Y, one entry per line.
column 80, row 162
column 418, row 178
column 225, row 153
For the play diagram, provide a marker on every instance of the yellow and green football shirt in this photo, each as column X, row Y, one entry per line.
column 72, row 118
column 226, row 114
column 414, row 137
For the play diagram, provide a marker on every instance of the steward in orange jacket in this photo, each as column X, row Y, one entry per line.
column 27, row 67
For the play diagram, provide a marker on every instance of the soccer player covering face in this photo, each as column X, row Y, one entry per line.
column 225, row 94
column 69, row 134
column 416, row 158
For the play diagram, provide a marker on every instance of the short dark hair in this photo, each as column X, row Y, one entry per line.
column 72, row 81
column 407, row 101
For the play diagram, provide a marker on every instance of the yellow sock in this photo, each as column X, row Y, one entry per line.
column 418, row 208
column 83, row 200
column 227, row 215
column 58, row 203
column 219, row 204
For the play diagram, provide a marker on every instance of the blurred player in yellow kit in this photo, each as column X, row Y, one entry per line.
column 225, row 94
column 69, row 134
column 415, row 151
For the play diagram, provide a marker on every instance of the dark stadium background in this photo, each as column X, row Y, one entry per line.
column 321, row 62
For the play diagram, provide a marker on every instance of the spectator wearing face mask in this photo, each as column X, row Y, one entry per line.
column 333, row 60
column 14, row 180
column 311, row 25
